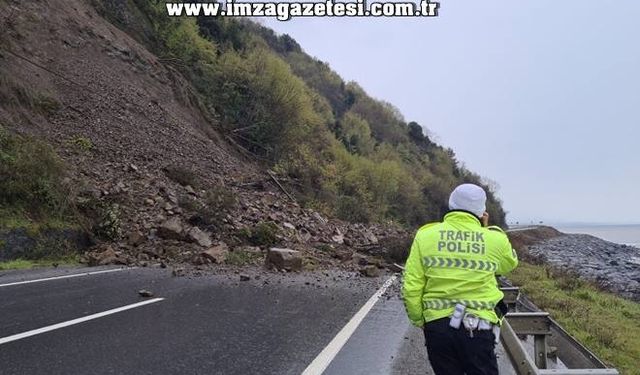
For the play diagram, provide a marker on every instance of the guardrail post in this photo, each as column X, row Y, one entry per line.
column 538, row 325
column 521, row 361
column 511, row 295
column 540, row 349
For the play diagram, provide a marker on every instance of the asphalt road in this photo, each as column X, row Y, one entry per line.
column 277, row 324
column 216, row 324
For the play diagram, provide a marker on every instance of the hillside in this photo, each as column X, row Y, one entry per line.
column 153, row 136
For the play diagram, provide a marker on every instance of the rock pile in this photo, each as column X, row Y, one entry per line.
column 612, row 266
column 168, row 228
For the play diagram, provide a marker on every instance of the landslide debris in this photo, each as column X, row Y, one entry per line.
column 158, row 184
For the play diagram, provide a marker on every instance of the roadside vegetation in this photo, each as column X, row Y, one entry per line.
column 604, row 323
column 23, row 264
column 15, row 94
column 342, row 151
column 35, row 200
column 33, row 192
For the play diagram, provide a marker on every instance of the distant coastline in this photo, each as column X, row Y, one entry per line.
column 623, row 234
column 612, row 266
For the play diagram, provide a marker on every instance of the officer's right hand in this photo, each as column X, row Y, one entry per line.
column 485, row 219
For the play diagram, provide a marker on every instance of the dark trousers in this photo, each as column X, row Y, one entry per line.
column 453, row 352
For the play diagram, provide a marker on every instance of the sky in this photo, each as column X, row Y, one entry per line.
column 542, row 97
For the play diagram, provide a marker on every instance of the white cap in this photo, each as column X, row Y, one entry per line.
column 469, row 197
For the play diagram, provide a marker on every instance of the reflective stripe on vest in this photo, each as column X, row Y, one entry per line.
column 470, row 264
column 441, row 304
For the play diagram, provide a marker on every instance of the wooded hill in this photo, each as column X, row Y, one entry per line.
column 346, row 152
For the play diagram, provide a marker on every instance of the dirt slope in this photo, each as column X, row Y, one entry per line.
column 118, row 116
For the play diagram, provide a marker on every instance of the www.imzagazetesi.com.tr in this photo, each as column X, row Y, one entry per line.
column 286, row 10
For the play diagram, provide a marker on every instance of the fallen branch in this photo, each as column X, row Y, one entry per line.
column 273, row 177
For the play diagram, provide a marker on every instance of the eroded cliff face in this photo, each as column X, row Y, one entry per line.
column 138, row 149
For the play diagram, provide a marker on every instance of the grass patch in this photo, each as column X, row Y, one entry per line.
column 605, row 323
column 24, row 264
column 82, row 144
column 16, row 94
column 32, row 179
column 243, row 258
column 16, row 219
column 263, row 234
column 35, row 197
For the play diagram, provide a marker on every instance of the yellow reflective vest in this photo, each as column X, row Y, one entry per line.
column 453, row 262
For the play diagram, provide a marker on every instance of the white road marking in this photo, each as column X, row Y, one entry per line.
column 65, row 277
column 325, row 357
column 68, row 323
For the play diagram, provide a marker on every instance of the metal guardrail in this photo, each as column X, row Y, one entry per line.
column 545, row 331
column 511, row 296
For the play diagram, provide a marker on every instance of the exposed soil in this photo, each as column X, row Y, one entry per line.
column 134, row 117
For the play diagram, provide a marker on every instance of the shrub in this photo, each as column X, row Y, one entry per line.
column 51, row 248
column 353, row 210
column 220, row 200
column 218, row 203
column 355, row 134
column 83, row 144
column 109, row 225
column 259, row 90
column 263, row 234
column 569, row 282
column 17, row 94
column 242, row 258
column 31, row 178
column 46, row 104
column 355, row 154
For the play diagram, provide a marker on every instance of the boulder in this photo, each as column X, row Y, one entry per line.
column 343, row 255
column 196, row 235
column 304, row 236
column 216, row 254
column 319, row 218
column 370, row 238
column 395, row 267
column 370, row 271
column 172, row 198
column 284, row 259
column 178, row 272
column 102, row 256
column 136, row 238
column 337, row 237
column 360, row 259
column 171, row 229
column 145, row 293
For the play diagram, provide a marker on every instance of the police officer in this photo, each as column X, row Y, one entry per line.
column 450, row 289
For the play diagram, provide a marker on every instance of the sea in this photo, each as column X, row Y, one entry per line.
column 621, row 234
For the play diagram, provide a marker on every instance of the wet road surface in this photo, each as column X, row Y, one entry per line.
column 272, row 324
column 203, row 325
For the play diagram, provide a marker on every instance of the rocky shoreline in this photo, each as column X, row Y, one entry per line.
column 611, row 266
